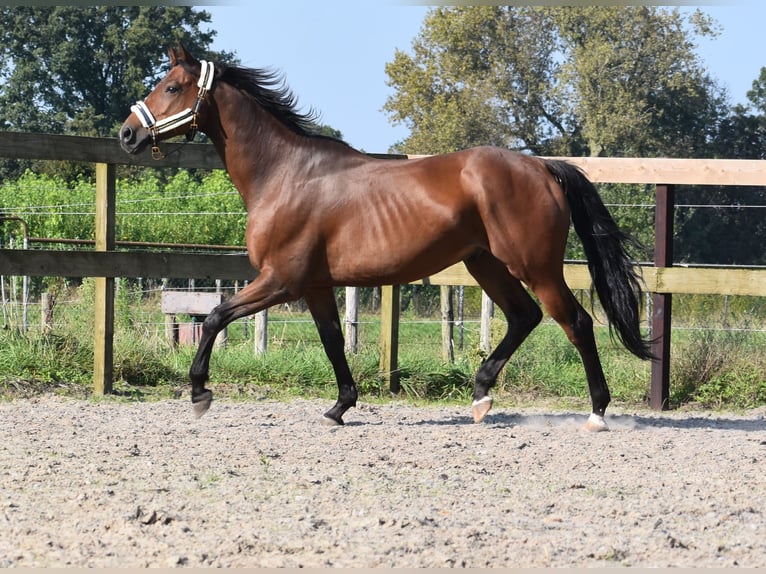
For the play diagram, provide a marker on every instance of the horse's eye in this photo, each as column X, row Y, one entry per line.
column 172, row 89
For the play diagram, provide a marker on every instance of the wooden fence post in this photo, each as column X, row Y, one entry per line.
column 103, row 359
column 261, row 332
column 485, row 330
column 448, row 321
column 389, row 335
column 459, row 323
column 662, row 302
column 352, row 319
column 47, row 302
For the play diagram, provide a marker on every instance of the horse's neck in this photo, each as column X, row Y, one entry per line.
column 246, row 137
column 256, row 147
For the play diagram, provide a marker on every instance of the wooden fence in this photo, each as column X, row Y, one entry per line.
column 105, row 263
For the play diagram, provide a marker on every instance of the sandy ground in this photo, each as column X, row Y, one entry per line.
column 265, row 484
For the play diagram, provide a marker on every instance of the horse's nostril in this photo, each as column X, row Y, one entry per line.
column 127, row 134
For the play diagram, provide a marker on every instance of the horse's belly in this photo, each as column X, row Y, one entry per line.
column 371, row 264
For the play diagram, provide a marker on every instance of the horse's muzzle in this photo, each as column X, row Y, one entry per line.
column 133, row 139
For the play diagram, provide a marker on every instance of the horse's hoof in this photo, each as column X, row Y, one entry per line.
column 331, row 422
column 480, row 408
column 201, row 403
column 595, row 423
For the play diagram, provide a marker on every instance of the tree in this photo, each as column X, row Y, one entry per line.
column 742, row 134
column 77, row 70
column 69, row 69
column 569, row 81
column 480, row 75
column 739, row 231
column 328, row 131
column 640, row 89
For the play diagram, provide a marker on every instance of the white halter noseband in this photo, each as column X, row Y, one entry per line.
column 189, row 115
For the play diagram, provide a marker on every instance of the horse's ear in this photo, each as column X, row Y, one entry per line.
column 181, row 55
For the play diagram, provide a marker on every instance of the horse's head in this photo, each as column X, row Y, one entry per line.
column 172, row 108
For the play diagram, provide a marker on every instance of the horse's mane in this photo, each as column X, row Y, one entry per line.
column 269, row 90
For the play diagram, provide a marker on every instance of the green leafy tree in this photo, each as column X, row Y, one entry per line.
column 757, row 93
column 639, row 87
column 742, row 134
column 77, row 69
column 329, row 131
column 739, row 231
column 481, row 75
column 569, row 81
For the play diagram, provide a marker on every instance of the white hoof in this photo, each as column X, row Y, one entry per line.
column 480, row 408
column 595, row 423
column 328, row 422
column 201, row 407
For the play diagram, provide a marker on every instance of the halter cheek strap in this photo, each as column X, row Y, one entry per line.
column 187, row 116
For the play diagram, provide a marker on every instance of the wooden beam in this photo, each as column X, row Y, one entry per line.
column 657, row 171
column 53, row 263
column 179, row 154
column 104, row 150
column 189, row 302
column 702, row 281
column 662, row 303
column 389, row 336
column 351, row 320
column 742, row 172
column 670, row 171
column 448, row 323
column 103, row 349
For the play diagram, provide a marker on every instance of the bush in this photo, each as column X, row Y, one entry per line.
column 718, row 369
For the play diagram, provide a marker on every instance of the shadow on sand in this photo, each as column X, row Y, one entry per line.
column 621, row 422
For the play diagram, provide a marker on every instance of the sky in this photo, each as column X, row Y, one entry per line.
column 333, row 54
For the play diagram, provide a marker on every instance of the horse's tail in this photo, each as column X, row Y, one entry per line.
column 611, row 269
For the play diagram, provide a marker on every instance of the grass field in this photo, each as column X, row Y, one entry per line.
column 711, row 367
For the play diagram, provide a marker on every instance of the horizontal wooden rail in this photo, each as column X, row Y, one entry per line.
column 203, row 156
column 53, row 263
column 667, row 171
column 45, row 263
column 689, row 280
column 671, row 171
column 104, row 150
column 20, row 145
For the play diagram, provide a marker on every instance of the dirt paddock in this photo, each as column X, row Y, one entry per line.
column 264, row 484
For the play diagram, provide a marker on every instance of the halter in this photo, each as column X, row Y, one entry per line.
column 189, row 115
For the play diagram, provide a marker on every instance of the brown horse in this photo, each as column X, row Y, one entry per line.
column 321, row 214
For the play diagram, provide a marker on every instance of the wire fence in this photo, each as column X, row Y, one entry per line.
column 77, row 209
column 142, row 304
column 20, row 307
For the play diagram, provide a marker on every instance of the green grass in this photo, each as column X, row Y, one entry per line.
column 709, row 369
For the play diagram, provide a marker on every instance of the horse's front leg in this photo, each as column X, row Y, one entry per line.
column 324, row 310
column 262, row 293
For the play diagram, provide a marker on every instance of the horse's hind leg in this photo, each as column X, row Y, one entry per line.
column 262, row 293
column 561, row 304
column 521, row 312
column 324, row 310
